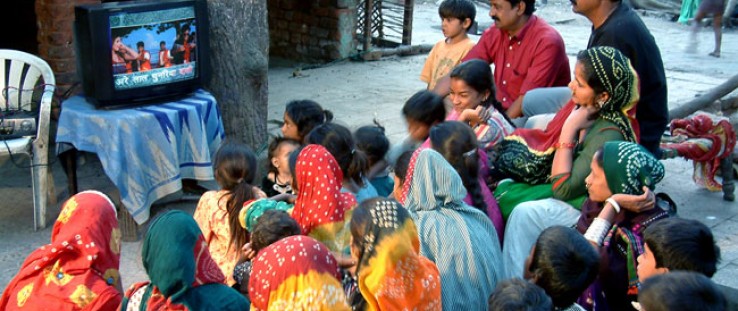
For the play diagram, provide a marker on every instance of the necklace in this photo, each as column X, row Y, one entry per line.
column 281, row 187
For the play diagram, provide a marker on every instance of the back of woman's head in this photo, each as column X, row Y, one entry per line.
column 271, row 227
column 360, row 220
column 338, row 141
column 425, row 107
column 307, row 114
column 235, row 168
column 372, row 140
column 457, row 143
column 401, row 166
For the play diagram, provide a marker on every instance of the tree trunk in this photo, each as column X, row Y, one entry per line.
column 703, row 100
column 239, row 55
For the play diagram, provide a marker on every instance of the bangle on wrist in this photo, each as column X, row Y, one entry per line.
column 614, row 204
column 597, row 231
column 569, row 145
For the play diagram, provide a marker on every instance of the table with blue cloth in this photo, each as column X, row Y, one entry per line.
column 146, row 151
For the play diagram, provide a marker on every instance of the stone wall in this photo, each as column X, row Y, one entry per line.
column 312, row 30
column 55, row 40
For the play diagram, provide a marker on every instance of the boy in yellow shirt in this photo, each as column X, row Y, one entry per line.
column 456, row 18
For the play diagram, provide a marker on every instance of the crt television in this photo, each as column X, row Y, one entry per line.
column 141, row 52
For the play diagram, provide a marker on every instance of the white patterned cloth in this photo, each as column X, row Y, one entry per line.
column 147, row 150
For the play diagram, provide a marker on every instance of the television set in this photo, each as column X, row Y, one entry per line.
column 141, row 52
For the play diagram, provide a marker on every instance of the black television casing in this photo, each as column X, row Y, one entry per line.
column 92, row 37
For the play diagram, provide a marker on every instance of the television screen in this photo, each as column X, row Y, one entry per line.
column 154, row 47
column 141, row 52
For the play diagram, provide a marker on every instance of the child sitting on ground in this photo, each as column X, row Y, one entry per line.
column 456, row 18
column 372, row 141
column 681, row 290
column 279, row 179
column 266, row 227
column 564, row 264
column 678, row 244
column 217, row 211
column 519, row 295
column 301, row 116
column 473, row 98
column 421, row 111
column 354, row 164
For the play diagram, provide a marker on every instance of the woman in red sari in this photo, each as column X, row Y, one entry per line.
column 321, row 209
column 78, row 270
column 296, row 273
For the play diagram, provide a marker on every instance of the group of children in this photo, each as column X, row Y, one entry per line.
column 330, row 227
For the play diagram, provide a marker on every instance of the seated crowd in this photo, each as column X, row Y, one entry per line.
column 467, row 213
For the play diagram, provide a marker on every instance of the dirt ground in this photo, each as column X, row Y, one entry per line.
column 358, row 92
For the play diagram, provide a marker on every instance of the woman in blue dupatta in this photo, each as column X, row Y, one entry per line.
column 460, row 239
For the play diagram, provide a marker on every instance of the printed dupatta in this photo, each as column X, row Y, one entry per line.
column 526, row 155
column 392, row 275
column 321, row 210
column 296, row 273
column 183, row 274
column 78, row 270
column 453, row 235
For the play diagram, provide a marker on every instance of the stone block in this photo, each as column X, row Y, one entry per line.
column 58, row 38
column 346, row 4
column 287, row 4
column 320, row 33
column 324, row 12
column 50, row 52
column 63, row 65
column 328, row 23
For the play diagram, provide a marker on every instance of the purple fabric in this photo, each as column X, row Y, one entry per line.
column 493, row 209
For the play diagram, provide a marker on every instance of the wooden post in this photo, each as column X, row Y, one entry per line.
column 407, row 23
column 710, row 97
column 726, row 167
column 368, row 9
column 128, row 226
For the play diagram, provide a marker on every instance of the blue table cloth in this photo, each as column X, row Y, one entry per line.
column 147, row 150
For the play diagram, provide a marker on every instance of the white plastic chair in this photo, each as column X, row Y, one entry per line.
column 23, row 72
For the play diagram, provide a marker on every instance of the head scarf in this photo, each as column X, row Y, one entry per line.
column 296, row 273
column 79, row 268
column 391, row 272
column 620, row 80
column 628, row 167
column 178, row 262
column 453, row 235
column 431, row 183
column 253, row 209
column 321, row 210
column 526, row 155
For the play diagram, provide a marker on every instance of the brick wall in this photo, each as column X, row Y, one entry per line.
column 312, row 30
column 55, row 39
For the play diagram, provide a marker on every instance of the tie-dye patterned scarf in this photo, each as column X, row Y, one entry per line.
column 79, row 268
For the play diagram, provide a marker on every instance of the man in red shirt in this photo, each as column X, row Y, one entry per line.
column 527, row 53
